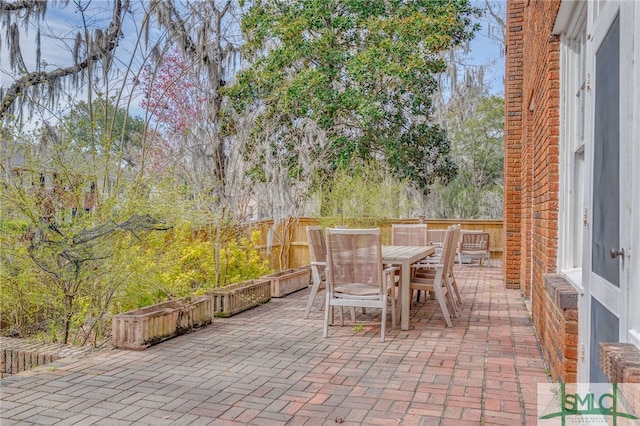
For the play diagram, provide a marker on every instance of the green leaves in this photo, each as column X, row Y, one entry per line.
column 423, row 156
column 362, row 70
column 362, row 193
column 102, row 127
column 477, row 191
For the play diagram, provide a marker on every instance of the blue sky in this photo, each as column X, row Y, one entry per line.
column 486, row 51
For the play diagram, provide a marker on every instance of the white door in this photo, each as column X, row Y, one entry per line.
column 605, row 309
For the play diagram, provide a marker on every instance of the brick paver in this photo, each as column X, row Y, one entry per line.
column 269, row 366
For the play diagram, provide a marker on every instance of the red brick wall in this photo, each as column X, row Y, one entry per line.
column 557, row 328
column 532, row 123
column 620, row 362
column 513, row 144
column 531, row 142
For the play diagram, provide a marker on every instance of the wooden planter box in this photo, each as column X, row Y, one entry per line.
column 153, row 324
column 234, row 298
column 288, row 281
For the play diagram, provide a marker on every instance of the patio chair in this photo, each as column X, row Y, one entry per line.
column 355, row 274
column 318, row 255
column 433, row 277
column 474, row 245
column 435, row 237
column 409, row 234
column 451, row 278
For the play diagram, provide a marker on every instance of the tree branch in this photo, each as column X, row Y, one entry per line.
column 18, row 5
column 41, row 77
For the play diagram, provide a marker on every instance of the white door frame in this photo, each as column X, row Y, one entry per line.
column 617, row 300
column 633, row 259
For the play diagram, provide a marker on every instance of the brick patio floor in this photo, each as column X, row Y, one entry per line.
column 269, row 366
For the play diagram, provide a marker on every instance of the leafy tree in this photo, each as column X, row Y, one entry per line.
column 363, row 71
column 474, row 120
column 102, row 128
column 478, row 148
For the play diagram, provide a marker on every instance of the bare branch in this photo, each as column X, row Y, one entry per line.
column 497, row 13
column 110, row 42
column 21, row 5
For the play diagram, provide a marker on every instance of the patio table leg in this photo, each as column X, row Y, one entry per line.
column 405, row 295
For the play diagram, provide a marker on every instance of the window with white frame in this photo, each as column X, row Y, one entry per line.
column 573, row 84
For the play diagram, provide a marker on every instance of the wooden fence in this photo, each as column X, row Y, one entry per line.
column 285, row 244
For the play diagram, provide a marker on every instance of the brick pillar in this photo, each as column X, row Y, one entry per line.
column 513, row 143
column 620, row 362
column 556, row 321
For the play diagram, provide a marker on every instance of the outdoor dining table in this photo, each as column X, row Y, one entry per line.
column 404, row 256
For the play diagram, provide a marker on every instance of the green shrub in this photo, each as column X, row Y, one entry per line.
column 241, row 261
column 128, row 272
column 364, row 193
column 180, row 263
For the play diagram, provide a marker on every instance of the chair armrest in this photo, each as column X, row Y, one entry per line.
column 390, row 272
column 390, row 269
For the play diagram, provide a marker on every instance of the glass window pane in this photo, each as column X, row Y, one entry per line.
column 606, row 180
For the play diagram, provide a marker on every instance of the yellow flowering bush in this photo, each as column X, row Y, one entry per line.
column 181, row 263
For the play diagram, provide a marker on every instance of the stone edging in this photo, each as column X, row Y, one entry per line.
column 17, row 355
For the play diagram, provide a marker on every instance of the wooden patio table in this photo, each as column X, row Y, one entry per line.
column 404, row 256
